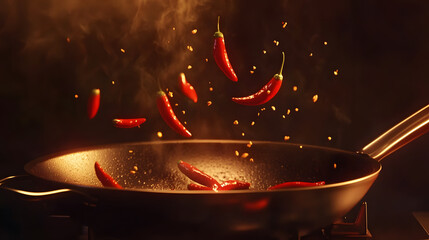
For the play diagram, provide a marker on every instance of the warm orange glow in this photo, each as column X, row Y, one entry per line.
column 135, row 168
column 329, row 138
column 68, row 39
column 296, row 109
column 159, row 134
column 237, row 153
column 311, row 54
column 190, row 48
column 315, row 98
column 209, row 103
column 249, row 144
column 235, row 122
column 252, row 72
column 288, row 112
column 286, row 138
column 325, row 43
column 264, row 52
column 170, row 94
column 253, row 122
column 242, row 134
column 336, row 72
column 76, row 96
column 183, row 112
column 254, row 67
column 189, row 67
column 133, row 172
column 295, row 88
column 122, row 50
column 113, row 82
column 194, row 31
column 210, row 89
column 244, row 155
column 273, row 108
column 284, row 24
column 251, row 160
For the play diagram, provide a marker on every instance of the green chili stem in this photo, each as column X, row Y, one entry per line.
column 283, row 62
column 218, row 19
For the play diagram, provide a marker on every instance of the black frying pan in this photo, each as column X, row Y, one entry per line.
column 156, row 190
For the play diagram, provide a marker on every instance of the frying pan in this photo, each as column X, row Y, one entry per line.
column 155, row 195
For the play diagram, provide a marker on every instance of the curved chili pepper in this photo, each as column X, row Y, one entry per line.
column 193, row 186
column 128, row 123
column 168, row 115
column 197, row 175
column 93, row 103
column 227, row 185
column 234, row 185
column 187, row 88
column 105, row 178
column 266, row 93
column 296, row 184
column 221, row 56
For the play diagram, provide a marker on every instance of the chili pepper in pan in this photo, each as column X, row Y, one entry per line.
column 197, row 175
column 105, row 178
column 193, row 186
column 93, row 103
column 168, row 115
column 234, row 185
column 266, row 93
column 296, row 184
column 187, row 88
column 221, row 56
column 128, row 123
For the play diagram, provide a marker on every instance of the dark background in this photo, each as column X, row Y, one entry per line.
column 379, row 47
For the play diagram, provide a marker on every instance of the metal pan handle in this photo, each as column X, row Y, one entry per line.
column 45, row 195
column 404, row 132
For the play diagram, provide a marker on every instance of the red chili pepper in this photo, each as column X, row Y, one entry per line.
column 266, row 93
column 168, row 115
column 197, row 175
column 221, row 56
column 296, row 184
column 234, row 185
column 193, row 186
column 93, row 103
column 187, row 88
column 128, row 123
column 105, row 178
column 227, row 185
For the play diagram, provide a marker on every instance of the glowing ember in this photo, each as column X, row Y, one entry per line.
column 236, row 122
column 176, row 104
column 133, row 172
column 286, row 138
column 130, row 151
column 325, row 43
column 135, row 168
column 252, row 72
column 242, row 134
column 295, row 88
column 249, row 144
column 113, row 82
column 251, row 159
column 283, row 116
column 170, row 94
column 288, row 112
column 335, row 165
column 284, row 24
column 237, row 153
column 189, row 67
column 276, row 42
column 122, row 50
column 252, row 123
column 264, row 52
column 254, row 67
column 315, row 98
column 296, row 109
column 300, row 146
column 207, row 60
column 262, row 109
column 329, row 138
column 273, row 108
column 194, row 31
column 244, row 155
column 190, row 48
column 68, row 39
column 209, row 103
column 76, row 96
column 174, row 29
column 210, row 89
column 183, row 112
column 159, row 134
column 336, row 72
column 311, row 54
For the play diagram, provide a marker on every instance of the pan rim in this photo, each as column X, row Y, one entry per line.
column 28, row 166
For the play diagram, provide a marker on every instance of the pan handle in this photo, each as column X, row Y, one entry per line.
column 45, row 195
column 404, row 132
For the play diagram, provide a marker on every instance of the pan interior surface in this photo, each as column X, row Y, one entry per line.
column 153, row 165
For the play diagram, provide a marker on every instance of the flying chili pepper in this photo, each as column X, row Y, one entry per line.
column 128, row 123
column 93, row 103
column 168, row 115
column 197, row 175
column 187, row 88
column 221, row 56
column 105, row 178
column 266, row 93
column 296, row 184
